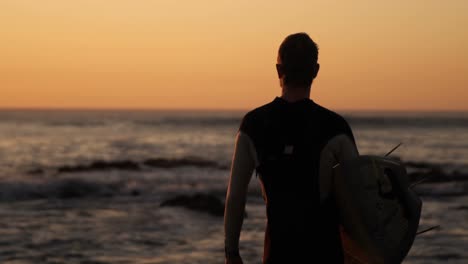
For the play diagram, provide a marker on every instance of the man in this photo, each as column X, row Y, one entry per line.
column 293, row 144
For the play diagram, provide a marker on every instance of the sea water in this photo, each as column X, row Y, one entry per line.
column 53, row 212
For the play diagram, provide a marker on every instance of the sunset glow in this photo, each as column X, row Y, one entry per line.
column 392, row 55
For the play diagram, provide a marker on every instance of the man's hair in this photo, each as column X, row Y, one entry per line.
column 298, row 54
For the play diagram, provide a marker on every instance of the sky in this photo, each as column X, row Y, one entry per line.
column 219, row 54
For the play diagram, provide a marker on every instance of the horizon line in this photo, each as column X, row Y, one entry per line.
column 212, row 109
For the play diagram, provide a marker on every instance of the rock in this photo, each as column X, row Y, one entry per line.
column 72, row 188
column 395, row 158
column 437, row 175
column 173, row 163
column 135, row 192
column 77, row 188
column 459, row 176
column 431, row 175
column 102, row 165
column 447, row 256
column 198, row 202
column 35, row 171
column 462, row 207
column 434, row 173
column 92, row 262
column 419, row 165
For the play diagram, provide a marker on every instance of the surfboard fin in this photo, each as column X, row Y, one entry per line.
column 393, row 149
column 390, row 152
column 427, row 230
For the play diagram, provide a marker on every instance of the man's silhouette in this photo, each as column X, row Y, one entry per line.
column 292, row 143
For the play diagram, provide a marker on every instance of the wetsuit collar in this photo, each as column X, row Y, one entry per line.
column 283, row 101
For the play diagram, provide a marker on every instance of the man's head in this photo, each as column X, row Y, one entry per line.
column 297, row 61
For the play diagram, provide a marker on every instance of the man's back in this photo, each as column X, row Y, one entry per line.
column 289, row 139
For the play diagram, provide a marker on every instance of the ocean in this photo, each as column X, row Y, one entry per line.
column 85, row 186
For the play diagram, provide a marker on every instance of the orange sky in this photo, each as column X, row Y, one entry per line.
column 219, row 54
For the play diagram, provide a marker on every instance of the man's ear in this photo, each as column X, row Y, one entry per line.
column 315, row 70
column 279, row 70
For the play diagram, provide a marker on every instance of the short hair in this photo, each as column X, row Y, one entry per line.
column 298, row 54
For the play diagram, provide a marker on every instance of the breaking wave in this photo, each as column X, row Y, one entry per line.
column 130, row 165
column 60, row 189
column 422, row 121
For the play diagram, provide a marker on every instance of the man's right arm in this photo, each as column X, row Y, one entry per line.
column 243, row 165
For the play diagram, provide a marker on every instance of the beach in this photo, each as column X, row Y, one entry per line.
column 83, row 186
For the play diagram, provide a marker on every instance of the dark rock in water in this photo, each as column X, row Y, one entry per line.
column 223, row 167
column 395, row 158
column 431, row 175
column 102, row 165
column 447, row 256
column 442, row 189
column 135, row 192
column 436, row 174
column 173, row 163
column 69, row 188
column 419, row 165
column 35, row 171
column 76, row 189
column 199, row 202
column 129, row 165
column 151, row 243
column 92, row 262
column 459, row 176
column 73, row 255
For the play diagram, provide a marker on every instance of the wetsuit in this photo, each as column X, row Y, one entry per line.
column 293, row 147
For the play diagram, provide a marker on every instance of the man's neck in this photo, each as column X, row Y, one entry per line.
column 295, row 94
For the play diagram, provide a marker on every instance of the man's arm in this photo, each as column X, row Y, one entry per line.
column 243, row 165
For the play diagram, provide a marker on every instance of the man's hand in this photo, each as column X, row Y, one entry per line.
column 234, row 260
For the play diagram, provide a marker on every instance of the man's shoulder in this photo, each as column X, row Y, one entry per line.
column 259, row 112
column 330, row 116
column 325, row 114
column 334, row 122
column 255, row 117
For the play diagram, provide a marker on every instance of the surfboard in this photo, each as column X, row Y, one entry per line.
column 381, row 211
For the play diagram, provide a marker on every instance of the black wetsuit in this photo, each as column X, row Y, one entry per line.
column 288, row 138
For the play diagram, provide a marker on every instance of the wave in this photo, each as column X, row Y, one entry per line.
column 354, row 120
column 413, row 120
column 100, row 165
column 85, row 118
column 408, row 121
column 157, row 122
column 191, row 121
column 130, row 165
column 416, row 170
column 94, row 180
column 445, row 189
column 76, row 189
column 183, row 162
column 76, row 123
column 59, row 189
